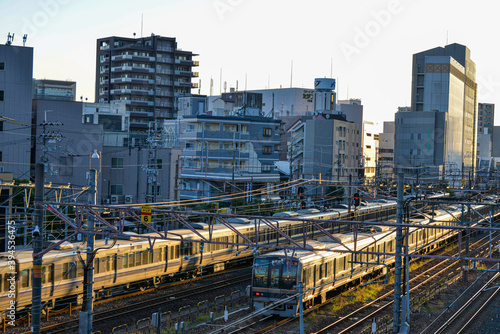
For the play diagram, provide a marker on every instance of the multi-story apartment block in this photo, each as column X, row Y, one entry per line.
column 226, row 154
column 148, row 73
column 16, row 77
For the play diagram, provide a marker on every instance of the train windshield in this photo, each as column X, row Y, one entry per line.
column 275, row 273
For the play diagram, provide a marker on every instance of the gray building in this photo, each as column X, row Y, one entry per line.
column 66, row 135
column 45, row 89
column 486, row 117
column 16, row 76
column 147, row 73
column 326, row 146
column 443, row 81
column 226, row 154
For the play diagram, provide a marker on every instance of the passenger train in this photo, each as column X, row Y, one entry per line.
column 276, row 275
column 132, row 264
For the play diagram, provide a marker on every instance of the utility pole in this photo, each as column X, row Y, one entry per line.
column 36, row 291
column 88, row 306
column 398, row 262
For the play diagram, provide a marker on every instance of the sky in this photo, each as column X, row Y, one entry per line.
column 367, row 45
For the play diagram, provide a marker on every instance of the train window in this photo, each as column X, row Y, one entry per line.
column 289, row 275
column 322, row 271
column 138, row 259
column 260, row 272
column 145, row 257
column 97, row 266
column 25, row 278
column 125, row 260
column 79, row 270
column 131, row 260
column 275, row 277
column 176, row 252
column 150, row 256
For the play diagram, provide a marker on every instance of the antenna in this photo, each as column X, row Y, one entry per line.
column 291, row 74
column 199, row 87
column 10, row 39
column 25, row 38
column 245, row 81
column 211, row 86
column 142, row 22
column 236, row 85
column 446, row 37
column 220, row 82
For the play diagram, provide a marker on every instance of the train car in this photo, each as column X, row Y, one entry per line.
column 276, row 275
column 133, row 264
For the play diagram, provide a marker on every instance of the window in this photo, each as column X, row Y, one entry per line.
column 267, row 149
column 117, row 189
column 277, row 148
column 2, row 66
column 266, row 168
column 267, row 132
column 1, row 95
column 116, row 163
column 1, row 125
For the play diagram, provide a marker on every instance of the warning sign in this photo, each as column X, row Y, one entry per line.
column 145, row 214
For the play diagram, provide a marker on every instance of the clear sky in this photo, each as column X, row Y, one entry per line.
column 367, row 44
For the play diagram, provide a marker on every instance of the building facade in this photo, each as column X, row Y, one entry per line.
column 324, row 146
column 386, row 152
column 226, row 154
column 443, row 81
column 16, row 77
column 147, row 73
column 370, row 150
column 44, row 89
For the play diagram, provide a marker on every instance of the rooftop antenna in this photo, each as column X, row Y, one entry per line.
column 245, row 81
column 10, row 39
column 291, row 74
column 236, row 85
column 25, row 38
column 199, row 87
column 211, row 86
column 446, row 37
column 142, row 22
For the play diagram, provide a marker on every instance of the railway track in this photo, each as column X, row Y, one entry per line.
column 364, row 314
column 109, row 316
column 470, row 311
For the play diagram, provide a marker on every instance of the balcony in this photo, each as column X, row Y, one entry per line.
column 132, row 91
column 141, row 114
column 132, row 57
column 133, row 80
column 184, row 73
column 118, row 69
column 165, row 60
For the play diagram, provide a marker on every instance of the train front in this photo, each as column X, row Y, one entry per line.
column 274, row 287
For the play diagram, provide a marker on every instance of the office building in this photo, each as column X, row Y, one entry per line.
column 148, row 73
column 440, row 130
column 16, row 77
column 485, row 117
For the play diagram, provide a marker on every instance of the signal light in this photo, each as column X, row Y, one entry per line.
column 357, row 200
column 257, row 293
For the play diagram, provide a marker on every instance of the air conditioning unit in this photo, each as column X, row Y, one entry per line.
column 114, row 199
column 129, row 199
column 105, row 201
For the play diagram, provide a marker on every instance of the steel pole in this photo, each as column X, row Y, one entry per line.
column 36, row 291
column 399, row 247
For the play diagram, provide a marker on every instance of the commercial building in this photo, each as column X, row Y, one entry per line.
column 44, row 89
column 440, row 130
column 370, row 150
column 16, row 77
column 147, row 73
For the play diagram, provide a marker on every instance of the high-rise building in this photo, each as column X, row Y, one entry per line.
column 148, row 73
column 443, row 81
column 16, row 75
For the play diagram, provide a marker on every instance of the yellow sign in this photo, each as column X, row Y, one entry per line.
column 145, row 214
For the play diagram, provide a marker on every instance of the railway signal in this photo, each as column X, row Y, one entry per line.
column 357, row 200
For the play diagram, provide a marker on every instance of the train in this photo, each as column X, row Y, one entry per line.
column 328, row 267
column 133, row 264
